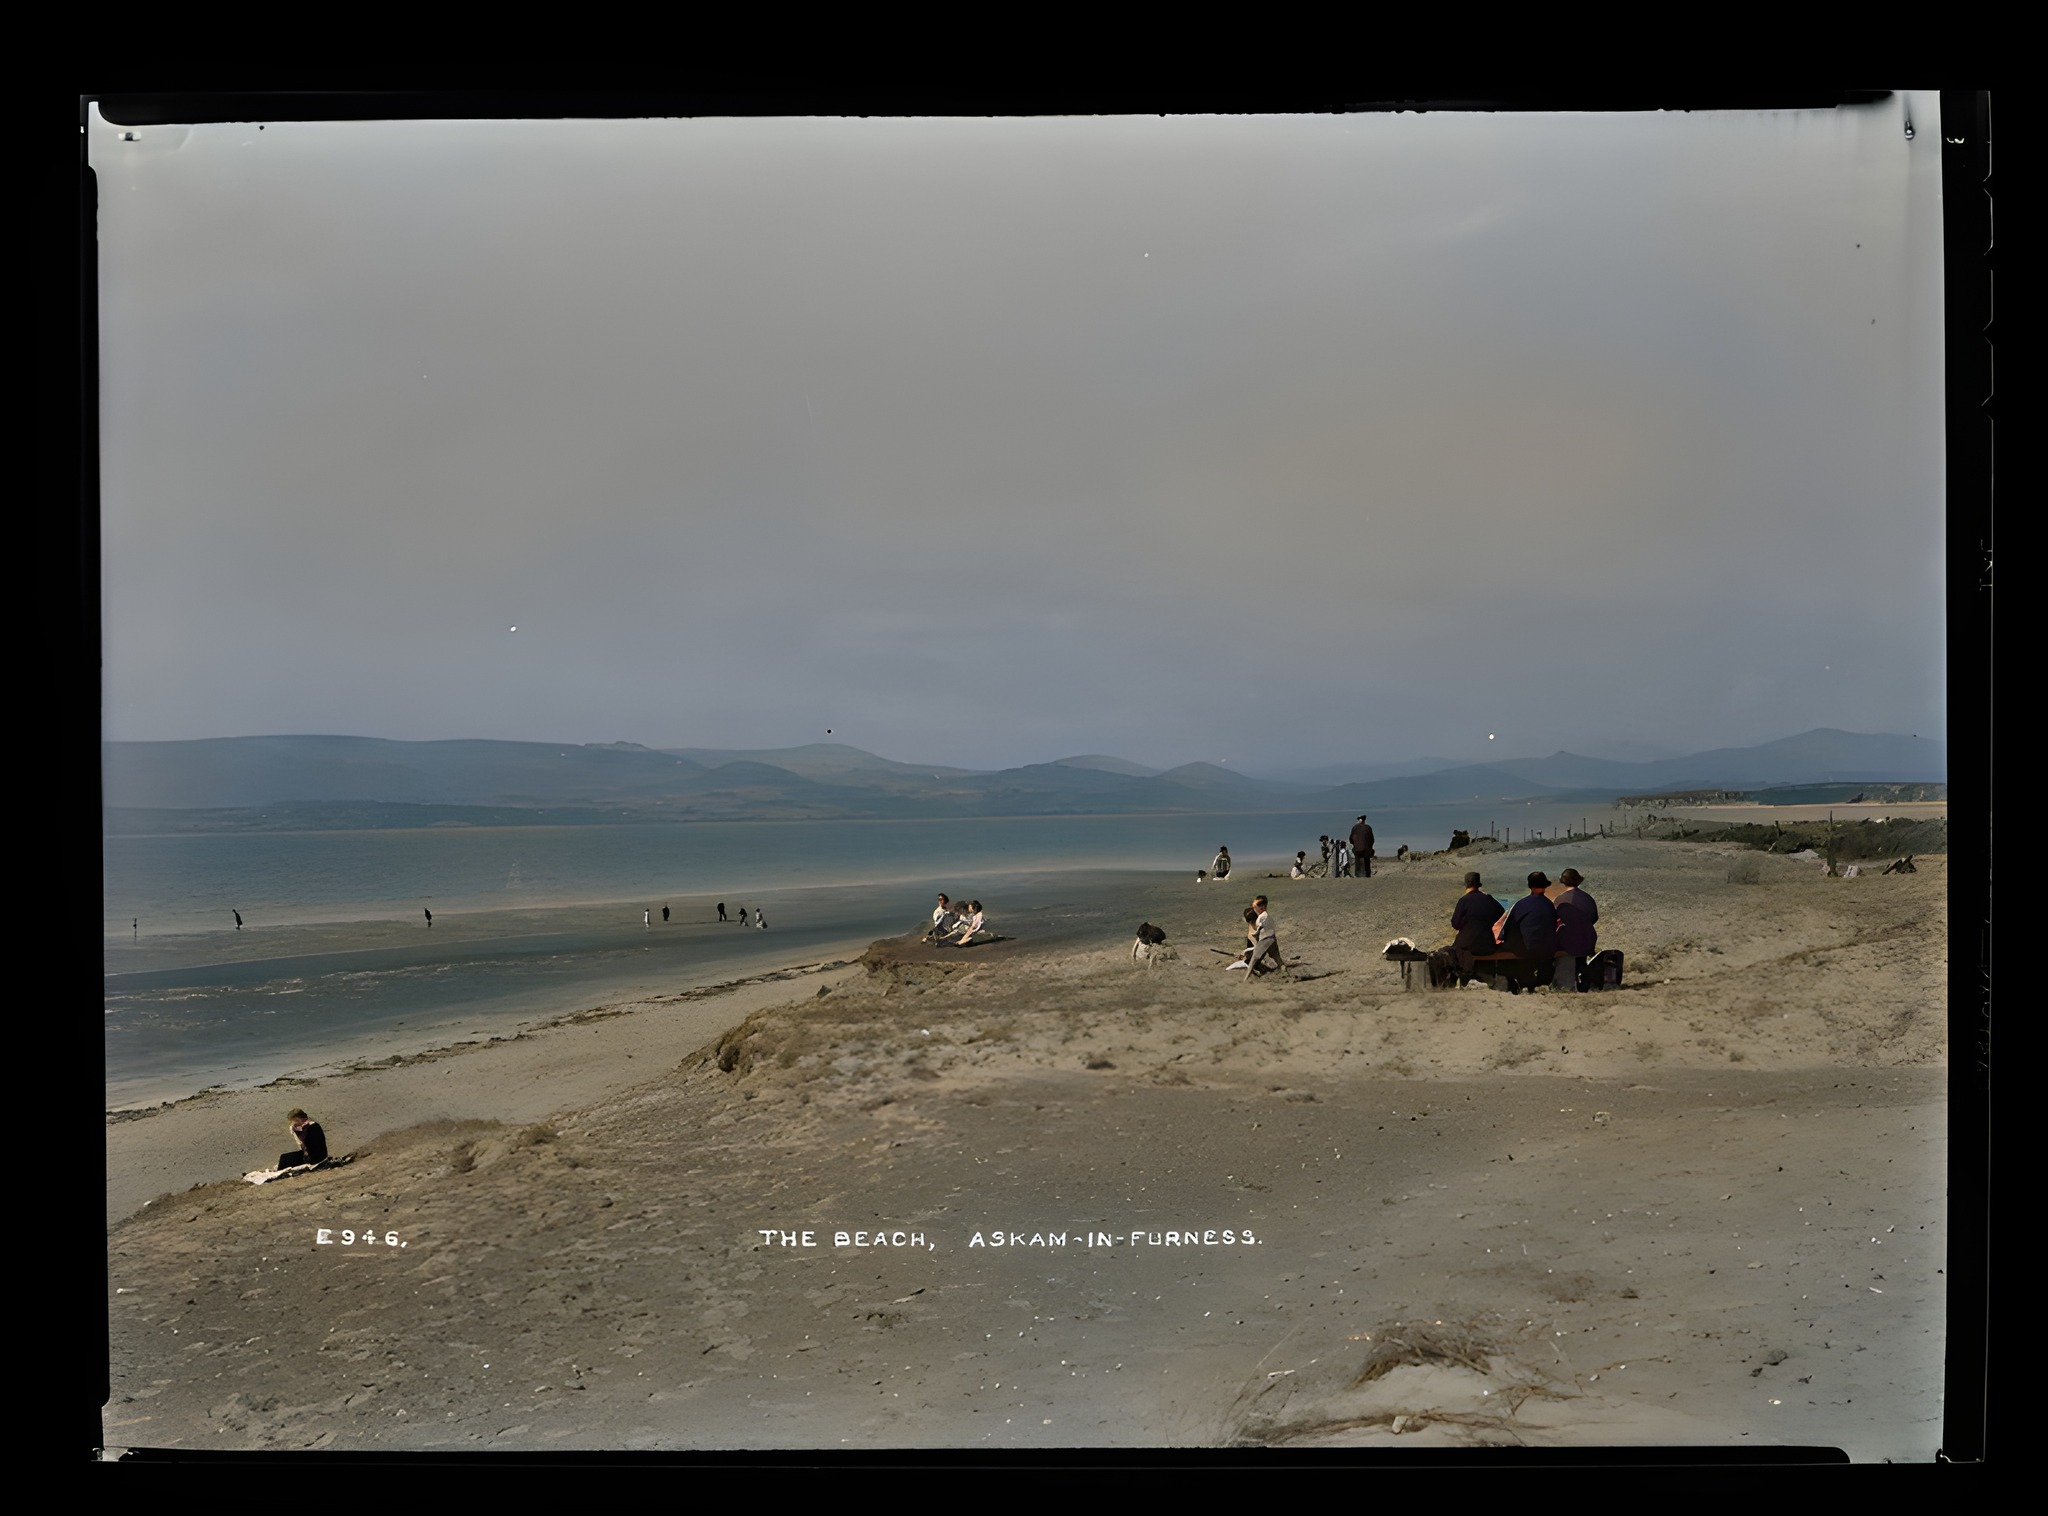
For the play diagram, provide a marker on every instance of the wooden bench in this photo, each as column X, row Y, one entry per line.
column 1518, row 972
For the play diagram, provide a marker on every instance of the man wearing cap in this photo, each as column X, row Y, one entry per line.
column 1576, row 938
column 1361, row 850
column 1531, row 932
column 1473, row 920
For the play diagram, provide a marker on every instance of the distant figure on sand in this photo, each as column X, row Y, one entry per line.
column 1340, row 858
column 1361, row 850
column 1220, row 868
column 238, row 920
column 721, row 911
column 430, row 917
column 1324, row 844
column 760, row 920
column 1300, row 869
column 743, row 915
column 664, row 914
column 647, row 918
column 312, row 1142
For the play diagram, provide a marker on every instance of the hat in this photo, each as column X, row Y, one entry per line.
column 1471, row 881
column 1539, row 880
column 1572, row 877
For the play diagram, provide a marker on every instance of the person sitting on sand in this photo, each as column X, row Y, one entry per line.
column 973, row 926
column 312, row 1142
column 1576, row 939
column 1265, row 942
column 945, row 921
column 760, row 920
column 1531, row 930
column 1220, row 869
column 1300, row 869
column 1472, row 920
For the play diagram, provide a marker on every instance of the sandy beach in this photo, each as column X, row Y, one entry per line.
column 1090, row 1202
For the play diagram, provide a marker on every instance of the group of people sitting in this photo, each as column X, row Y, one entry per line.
column 958, row 925
column 1553, row 927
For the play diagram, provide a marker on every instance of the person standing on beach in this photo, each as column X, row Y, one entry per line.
column 664, row 915
column 312, row 1142
column 760, row 920
column 1324, row 844
column 430, row 916
column 1361, row 850
column 238, row 920
column 647, row 918
column 721, row 910
column 1577, row 941
column 1340, row 858
column 1220, row 868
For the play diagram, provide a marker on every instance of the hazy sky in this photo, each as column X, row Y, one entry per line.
column 1276, row 440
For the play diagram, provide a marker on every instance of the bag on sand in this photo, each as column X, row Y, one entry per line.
column 1443, row 968
column 1603, row 971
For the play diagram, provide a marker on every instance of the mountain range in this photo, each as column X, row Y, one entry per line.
column 371, row 781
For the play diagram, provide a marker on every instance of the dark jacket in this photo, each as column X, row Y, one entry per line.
column 314, row 1142
column 1576, row 914
column 1534, row 919
column 1361, row 840
column 1473, row 922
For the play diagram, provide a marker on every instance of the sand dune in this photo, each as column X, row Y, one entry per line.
column 1705, row 1209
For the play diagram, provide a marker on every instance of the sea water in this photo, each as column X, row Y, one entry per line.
column 334, row 959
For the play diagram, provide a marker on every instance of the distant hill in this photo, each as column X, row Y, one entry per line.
column 1332, row 774
column 380, row 782
column 1108, row 765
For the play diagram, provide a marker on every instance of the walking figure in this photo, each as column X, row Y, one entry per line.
column 721, row 911
column 238, row 921
column 664, row 913
column 430, row 917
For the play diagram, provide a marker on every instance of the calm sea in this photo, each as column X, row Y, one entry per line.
column 334, row 959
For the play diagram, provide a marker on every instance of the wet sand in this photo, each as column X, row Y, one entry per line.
column 1468, row 1210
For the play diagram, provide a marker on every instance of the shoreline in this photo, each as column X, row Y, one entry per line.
column 315, row 1073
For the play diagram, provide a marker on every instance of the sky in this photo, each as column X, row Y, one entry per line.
column 1268, row 441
